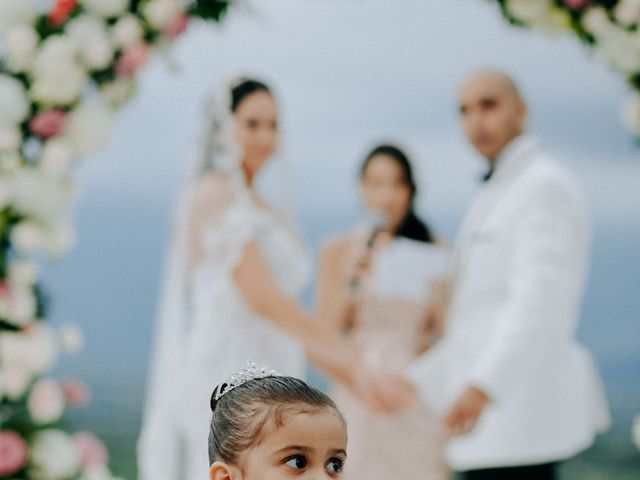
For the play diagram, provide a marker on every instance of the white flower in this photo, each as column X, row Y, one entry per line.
column 555, row 21
column 41, row 349
column 14, row 381
column 61, row 239
column 96, row 472
column 14, row 103
column 106, row 8
column 21, row 42
column 127, row 31
column 92, row 40
column 635, row 431
column 71, row 338
column 9, row 162
column 542, row 15
column 17, row 12
column 5, row 192
column 22, row 307
column 631, row 116
column 23, row 272
column 627, row 12
column 42, row 197
column 57, row 76
column 56, row 156
column 33, row 351
column 618, row 48
column 17, row 304
column 46, row 401
column 596, row 22
column 88, row 127
column 10, row 138
column 528, row 11
column 27, row 237
column 118, row 92
column 54, row 456
column 160, row 13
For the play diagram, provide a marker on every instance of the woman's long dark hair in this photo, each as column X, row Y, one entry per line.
column 412, row 226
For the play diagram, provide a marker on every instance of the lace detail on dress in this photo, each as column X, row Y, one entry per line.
column 227, row 236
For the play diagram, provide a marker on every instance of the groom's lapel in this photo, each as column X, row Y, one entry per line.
column 487, row 202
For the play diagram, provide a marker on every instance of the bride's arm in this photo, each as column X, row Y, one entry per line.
column 260, row 291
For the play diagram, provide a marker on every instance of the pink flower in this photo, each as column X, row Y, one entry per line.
column 177, row 26
column 48, row 123
column 76, row 393
column 577, row 5
column 13, row 452
column 131, row 60
column 5, row 290
column 92, row 451
column 46, row 401
column 61, row 11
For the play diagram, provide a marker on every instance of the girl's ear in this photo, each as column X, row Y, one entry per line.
column 223, row 471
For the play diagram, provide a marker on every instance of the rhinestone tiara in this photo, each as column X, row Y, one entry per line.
column 250, row 372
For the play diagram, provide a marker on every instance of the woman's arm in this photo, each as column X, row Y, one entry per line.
column 260, row 291
column 334, row 301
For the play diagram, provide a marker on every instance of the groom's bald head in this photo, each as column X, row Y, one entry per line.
column 493, row 111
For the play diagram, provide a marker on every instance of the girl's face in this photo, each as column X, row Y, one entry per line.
column 385, row 190
column 308, row 446
column 256, row 130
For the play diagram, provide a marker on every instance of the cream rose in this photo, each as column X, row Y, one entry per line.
column 46, row 401
column 57, row 76
column 88, row 127
column 54, row 456
column 14, row 103
column 106, row 8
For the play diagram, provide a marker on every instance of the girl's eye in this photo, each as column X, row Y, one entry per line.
column 334, row 465
column 297, row 462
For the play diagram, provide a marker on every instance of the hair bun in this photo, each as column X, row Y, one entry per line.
column 213, row 403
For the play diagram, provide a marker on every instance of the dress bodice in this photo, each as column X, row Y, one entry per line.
column 225, row 238
column 390, row 323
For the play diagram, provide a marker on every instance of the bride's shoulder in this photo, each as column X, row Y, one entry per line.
column 211, row 190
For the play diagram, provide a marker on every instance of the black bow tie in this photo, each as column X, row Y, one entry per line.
column 488, row 175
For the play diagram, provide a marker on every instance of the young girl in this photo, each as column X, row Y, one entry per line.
column 268, row 427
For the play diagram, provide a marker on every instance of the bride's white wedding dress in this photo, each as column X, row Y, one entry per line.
column 220, row 332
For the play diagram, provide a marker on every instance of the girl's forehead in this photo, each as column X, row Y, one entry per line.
column 322, row 429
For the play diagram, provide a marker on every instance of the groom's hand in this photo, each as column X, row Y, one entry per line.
column 464, row 415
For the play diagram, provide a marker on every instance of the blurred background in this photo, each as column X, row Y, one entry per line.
column 347, row 75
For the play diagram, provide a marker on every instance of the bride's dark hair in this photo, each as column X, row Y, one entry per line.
column 243, row 87
column 412, row 226
column 240, row 418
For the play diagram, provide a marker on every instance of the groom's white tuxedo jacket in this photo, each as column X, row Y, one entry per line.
column 518, row 273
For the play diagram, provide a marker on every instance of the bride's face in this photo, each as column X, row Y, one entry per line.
column 256, row 128
column 384, row 189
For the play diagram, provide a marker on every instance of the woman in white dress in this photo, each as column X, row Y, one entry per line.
column 379, row 286
column 234, row 269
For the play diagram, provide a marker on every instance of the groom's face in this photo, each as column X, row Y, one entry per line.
column 492, row 113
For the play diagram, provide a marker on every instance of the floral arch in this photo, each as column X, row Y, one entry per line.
column 66, row 66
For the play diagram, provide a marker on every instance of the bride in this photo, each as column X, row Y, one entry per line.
column 234, row 269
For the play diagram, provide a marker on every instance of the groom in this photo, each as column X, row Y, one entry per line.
column 517, row 391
